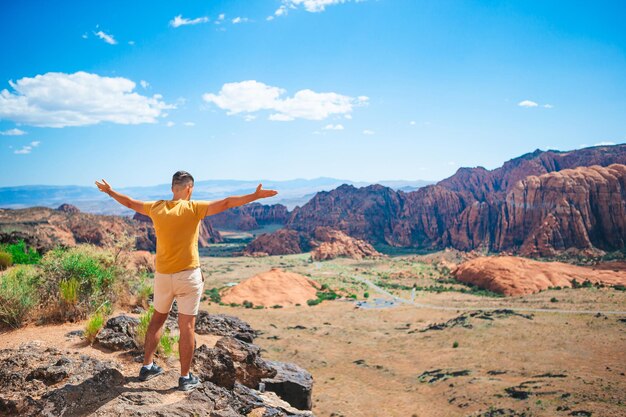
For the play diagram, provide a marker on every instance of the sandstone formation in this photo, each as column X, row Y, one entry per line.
column 330, row 243
column 45, row 228
column 250, row 216
column 538, row 204
column 280, row 242
column 273, row 287
column 513, row 276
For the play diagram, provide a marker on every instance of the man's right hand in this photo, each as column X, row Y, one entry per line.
column 104, row 186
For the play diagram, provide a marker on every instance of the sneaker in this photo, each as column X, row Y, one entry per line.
column 146, row 374
column 186, row 384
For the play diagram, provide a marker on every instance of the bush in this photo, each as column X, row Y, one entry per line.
column 248, row 304
column 144, row 290
column 277, row 306
column 554, row 300
column 6, row 260
column 167, row 343
column 455, row 345
column 366, row 294
column 21, row 254
column 313, row 302
column 78, row 280
column 18, row 294
column 94, row 324
column 214, row 295
column 142, row 327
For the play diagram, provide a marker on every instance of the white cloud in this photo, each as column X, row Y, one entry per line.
column 281, row 11
column 604, row 143
column 249, row 117
column 452, row 163
column 170, row 124
column 251, row 96
column 189, row 124
column 56, row 99
column 348, row 116
column 84, row 35
column 269, row 18
column 530, row 103
column 527, row 103
column 13, row 132
column 240, row 20
column 131, row 42
column 144, row 83
column 412, row 122
column 26, row 149
column 312, row 6
column 106, row 37
column 182, row 21
column 333, row 127
column 368, row 132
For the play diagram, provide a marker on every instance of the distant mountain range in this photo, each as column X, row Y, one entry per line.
column 292, row 193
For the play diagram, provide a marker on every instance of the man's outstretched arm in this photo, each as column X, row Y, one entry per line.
column 218, row 206
column 124, row 200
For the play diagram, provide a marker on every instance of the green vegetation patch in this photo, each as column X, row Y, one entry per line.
column 20, row 253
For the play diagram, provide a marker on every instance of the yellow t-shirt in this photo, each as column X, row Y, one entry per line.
column 177, row 224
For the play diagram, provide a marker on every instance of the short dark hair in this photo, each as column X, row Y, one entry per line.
column 181, row 178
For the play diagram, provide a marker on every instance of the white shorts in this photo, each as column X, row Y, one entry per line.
column 184, row 286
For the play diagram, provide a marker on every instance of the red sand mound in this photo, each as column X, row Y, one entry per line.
column 511, row 275
column 273, row 287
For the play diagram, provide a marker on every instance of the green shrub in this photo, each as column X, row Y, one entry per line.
column 620, row 287
column 68, row 290
column 277, row 306
column 78, row 280
column 214, row 295
column 144, row 290
column 455, row 345
column 167, row 343
column 554, row 300
column 366, row 294
column 18, row 294
column 6, row 260
column 248, row 304
column 21, row 254
column 142, row 327
column 313, row 302
column 93, row 326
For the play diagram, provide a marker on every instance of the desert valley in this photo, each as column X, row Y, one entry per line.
column 490, row 293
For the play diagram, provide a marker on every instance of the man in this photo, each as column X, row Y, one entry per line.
column 178, row 274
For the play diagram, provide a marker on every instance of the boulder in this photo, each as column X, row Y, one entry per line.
column 291, row 383
column 224, row 325
column 118, row 333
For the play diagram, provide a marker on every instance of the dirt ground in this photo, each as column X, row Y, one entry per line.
column 377, row 362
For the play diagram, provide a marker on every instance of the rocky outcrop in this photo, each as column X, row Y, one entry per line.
column 280, row 242
column 292, row 383
column 330, row 243
column 44, row 228
column 224, row 325
column 118, row 333
column 323, row 242
column 206, row 235
column 36, row 380
column 578, row 208
column 533, row 205
column 68, row 208
column 250, row 216
column 513, row 276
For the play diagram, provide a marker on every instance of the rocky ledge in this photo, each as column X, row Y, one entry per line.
column 40, row 380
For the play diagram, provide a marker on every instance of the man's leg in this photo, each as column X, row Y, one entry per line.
column 153, row 336
column 186, row 343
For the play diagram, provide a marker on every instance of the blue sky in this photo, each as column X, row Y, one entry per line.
column 361, row 90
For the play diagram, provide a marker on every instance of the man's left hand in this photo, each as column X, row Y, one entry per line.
column 104, row 186
column 259, row 193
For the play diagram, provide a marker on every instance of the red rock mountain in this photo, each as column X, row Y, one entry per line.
column 533, row 204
